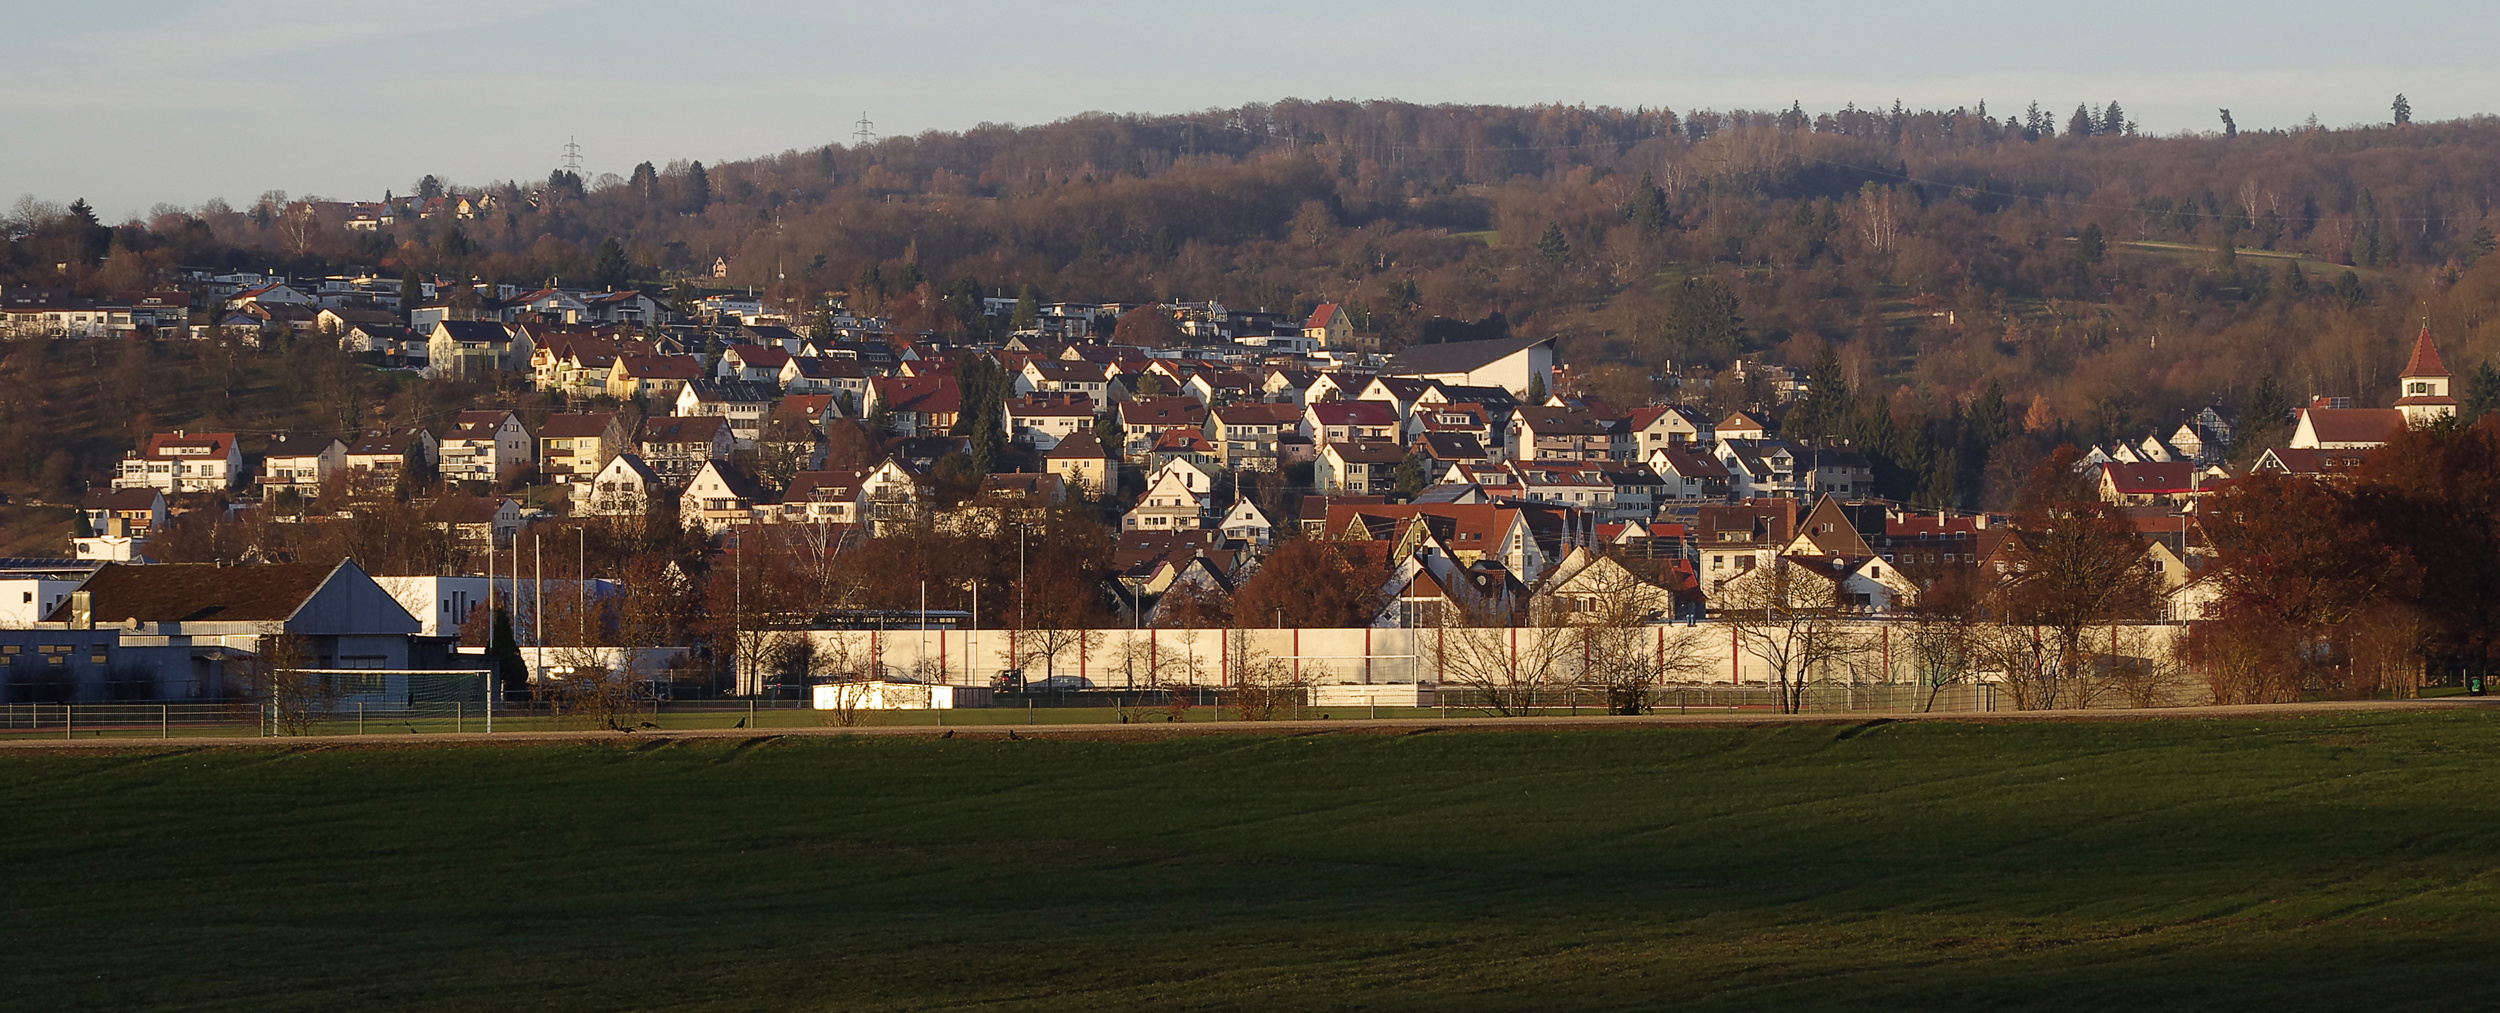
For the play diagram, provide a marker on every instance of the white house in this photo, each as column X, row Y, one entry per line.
column 482, row 444
column 180, row 462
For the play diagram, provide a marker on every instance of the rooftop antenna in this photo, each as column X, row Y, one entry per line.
column 865, row 135
column 572, row 157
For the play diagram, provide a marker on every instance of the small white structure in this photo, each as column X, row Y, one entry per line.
column 1376, row 694
column 891, row 695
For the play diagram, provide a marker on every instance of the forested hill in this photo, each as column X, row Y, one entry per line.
column 2099, row 279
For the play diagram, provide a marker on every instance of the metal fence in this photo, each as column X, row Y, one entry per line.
column 251, row 719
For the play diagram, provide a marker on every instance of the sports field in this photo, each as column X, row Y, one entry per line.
column 2328, row 861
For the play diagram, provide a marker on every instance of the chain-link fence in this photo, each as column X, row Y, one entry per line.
column 470, row 713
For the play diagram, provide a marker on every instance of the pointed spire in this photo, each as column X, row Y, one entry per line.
column 2425, row 361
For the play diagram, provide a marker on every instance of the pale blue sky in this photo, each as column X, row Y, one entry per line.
column 132, row 103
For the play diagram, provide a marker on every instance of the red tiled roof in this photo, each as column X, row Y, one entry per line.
column 2425, row 361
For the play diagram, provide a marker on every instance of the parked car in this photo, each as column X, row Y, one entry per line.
column 1009, row 680
column 1064, row 683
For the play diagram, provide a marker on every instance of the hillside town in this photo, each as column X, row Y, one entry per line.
column 1480, row 481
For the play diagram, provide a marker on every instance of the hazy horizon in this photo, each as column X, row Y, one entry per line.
column 218, row 98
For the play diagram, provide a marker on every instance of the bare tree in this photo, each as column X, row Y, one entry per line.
column 1509, row 670
column 1792, row 619
column 1625, row 649
column 295, row 698
column 1264, row 687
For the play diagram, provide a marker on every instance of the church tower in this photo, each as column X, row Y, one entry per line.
column 2425, row 385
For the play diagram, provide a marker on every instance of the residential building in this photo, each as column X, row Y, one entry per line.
column 137, row 510
column 675, row 447
column 302, row 464
column 719, row 497
column 1080, row 461
column 624, row 487
column 578, row 445
column 474, row 349
column 743, row 403
column 917, row 405
column 1558, row 434
column 654, row 379
column 1040, row 421
column 380, row 457
column 1168, row 505
column 181, row 461
column 1350, row 421
column 1365, row 468
column 483, row 445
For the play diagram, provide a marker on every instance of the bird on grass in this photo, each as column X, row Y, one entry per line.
column 1011, row 734
column 742, row 722
column 948, row 735
column 647, row 724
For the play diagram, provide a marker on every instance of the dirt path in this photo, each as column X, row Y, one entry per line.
column 1153, row 731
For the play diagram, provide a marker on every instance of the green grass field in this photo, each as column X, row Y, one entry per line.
column 2327, row 862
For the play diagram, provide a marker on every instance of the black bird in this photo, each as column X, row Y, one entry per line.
column 742, row 722
column 1011, row 733
column 948, row 735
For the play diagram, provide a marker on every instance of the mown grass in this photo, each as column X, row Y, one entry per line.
column 2322, row 862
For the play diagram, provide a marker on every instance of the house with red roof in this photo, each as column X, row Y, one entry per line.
column 1329, row 326
column 179, row 462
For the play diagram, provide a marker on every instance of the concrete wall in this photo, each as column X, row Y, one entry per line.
column 1119, row 658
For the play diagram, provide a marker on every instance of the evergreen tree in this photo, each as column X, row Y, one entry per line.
column 2113, row 119
column 2090, row 247
column 698, row 188
column 2080, row 124
column 1028, row 313
column 2348, row 289
column 1702, row 321
column 1411, row 474
column 429, row 188
column 1536, row 388
column 1552, row 247
column 2265, row 414
column 2482, row 393
column 2229, row 129
column 1648, row 209
column 645, row 182
column 2294, row 282
column 511, row 672
column 2403, row 110
column 610, row 268
column 2482, row 244
column 2366, row 248
column 411, row 292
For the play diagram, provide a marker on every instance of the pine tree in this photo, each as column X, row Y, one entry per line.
column 1536, row 388
column 1028, row 313
column 2113, row 119
column 2366, row 248
column 2481, row 245
column 610, row 268
column 1552, row 246
column 2080, row 124
column 2482, row 393
column 1648, row 209
column 2090, row 247
column 2229, row 129
column 2403, row 110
